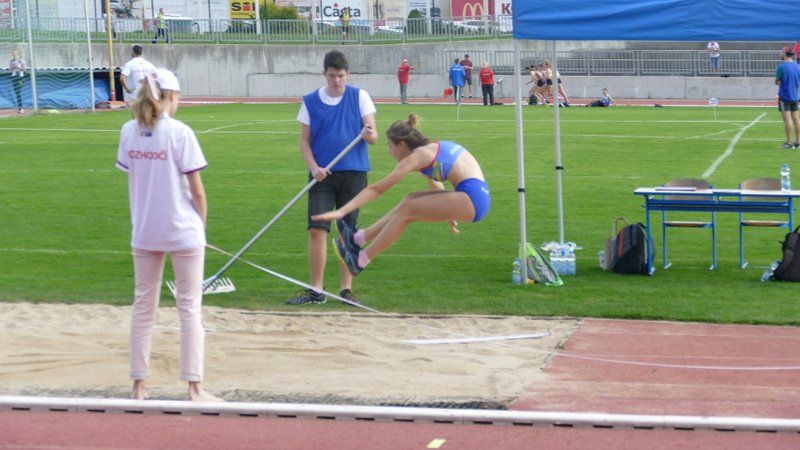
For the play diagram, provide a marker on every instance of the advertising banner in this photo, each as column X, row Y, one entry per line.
column 243, row 9
column 419, row 5
column 333, row 9
column 6, row 17
column 472, row 8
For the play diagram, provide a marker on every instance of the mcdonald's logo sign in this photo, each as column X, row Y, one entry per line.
column 472, row 10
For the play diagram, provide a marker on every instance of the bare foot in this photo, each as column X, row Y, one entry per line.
column 198, row 394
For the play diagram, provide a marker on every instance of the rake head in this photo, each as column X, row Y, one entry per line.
column 219, row 286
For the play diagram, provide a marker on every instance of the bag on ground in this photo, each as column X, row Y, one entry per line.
column 789, row 267
column 629, row 254
column 608, row 248
column 539, row 268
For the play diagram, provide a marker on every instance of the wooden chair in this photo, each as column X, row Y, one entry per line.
column 758, row 184
column 668, row 223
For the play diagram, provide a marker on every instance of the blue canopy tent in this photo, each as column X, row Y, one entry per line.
column 638, row 20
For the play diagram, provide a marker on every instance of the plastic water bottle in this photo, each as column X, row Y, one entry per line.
column 786, row 180
column 516, row 273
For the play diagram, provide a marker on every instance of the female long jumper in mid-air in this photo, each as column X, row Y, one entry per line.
column 438, row 161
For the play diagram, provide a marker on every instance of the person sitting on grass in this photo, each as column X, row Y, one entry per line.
column 438, row 161
column 604, row 101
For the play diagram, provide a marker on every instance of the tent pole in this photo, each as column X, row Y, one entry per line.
column 523, row 234
column 557, row 134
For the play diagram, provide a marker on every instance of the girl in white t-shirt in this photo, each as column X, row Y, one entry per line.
column 163, row 160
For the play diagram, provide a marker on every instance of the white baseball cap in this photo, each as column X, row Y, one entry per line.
column 167, row 80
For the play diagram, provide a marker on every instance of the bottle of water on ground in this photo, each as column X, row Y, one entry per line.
column 786, row 180
column 516, row 273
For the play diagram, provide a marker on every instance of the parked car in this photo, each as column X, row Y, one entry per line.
column 391, row 29
column 180, row 24
column 475, row 26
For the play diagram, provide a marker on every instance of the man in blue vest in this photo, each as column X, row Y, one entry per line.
column 330, row 118
column 457, row 74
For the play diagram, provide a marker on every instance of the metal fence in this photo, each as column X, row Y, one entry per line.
column 690, row 63
column 185, row 30
column 634, row 62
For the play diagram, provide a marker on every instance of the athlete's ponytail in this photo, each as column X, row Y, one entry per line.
column 147, row 108
column 154, row 96
column 406, row 130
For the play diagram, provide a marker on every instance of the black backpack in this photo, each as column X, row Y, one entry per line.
column 789, row 267
column 630, row 250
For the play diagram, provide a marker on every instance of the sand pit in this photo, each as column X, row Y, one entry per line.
column 303, row 357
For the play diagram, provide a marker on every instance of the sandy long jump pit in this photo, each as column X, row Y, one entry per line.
column 305, row 357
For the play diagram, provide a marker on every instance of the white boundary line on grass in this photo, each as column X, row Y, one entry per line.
column 729, row 151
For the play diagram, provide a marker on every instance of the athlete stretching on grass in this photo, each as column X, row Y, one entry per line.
column 438, row 161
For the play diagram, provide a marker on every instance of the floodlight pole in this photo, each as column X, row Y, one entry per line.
column 258, row 18
column 112, row 93
column 31, row 56
column 89, row 47
column 209, row 14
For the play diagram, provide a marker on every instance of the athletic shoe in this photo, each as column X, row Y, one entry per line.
column 346, row 232
column 348, row 295
column 347, row 256
column 308, row 297
column 797, row 145
column 787, row 145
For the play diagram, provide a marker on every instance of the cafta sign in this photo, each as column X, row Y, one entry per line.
column 242, row 10
column 333, row 11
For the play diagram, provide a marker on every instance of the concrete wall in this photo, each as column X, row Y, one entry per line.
column 294, row 70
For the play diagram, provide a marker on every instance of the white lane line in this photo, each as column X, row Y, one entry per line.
column 729, row 151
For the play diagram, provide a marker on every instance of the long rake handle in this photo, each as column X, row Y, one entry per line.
column 269, row 224
column 297, row 282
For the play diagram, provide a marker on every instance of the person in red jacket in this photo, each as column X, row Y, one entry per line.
column 486, row 76
column 796, row 51
column 402, row 77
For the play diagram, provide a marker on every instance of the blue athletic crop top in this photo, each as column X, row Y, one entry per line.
column 446, row 156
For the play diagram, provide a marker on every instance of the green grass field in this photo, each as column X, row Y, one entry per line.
column 65, row 224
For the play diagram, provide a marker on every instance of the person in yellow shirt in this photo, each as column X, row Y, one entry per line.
column 345, row 18
column 162, row 28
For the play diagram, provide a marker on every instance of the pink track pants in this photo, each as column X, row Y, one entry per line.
column 148, row 267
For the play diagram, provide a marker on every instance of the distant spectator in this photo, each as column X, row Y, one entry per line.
column 796, row 51
column 713, row 54
column 134, row 72
column 402, row 77
column 162, row 28
column 560, row 94
column 466, row 63
column 486, row 76
column 17, row 67
column 604, row 101
column 787, row 78
column 456, row 74
column 345, row 24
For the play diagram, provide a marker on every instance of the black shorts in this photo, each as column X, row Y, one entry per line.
column 549, row 82
column 787, row 105
column 540, row 83
column 468, row 80
column 334, row 191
